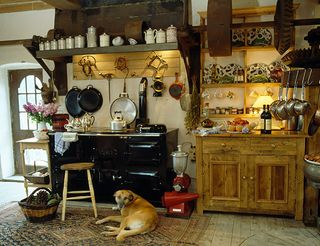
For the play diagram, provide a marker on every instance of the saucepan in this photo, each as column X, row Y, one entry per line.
column 274, row 104
column 281, row 111
column 292, row 101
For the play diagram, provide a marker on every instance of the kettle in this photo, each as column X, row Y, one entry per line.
column 149, row 36
column 87, row 121
column 117, row 124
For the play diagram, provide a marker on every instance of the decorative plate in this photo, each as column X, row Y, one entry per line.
column 230, row 73
column 238, row 38
column 258, row 73
column 212, row 73
column 259, row 37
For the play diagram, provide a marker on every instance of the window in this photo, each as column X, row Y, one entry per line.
column 28, row 92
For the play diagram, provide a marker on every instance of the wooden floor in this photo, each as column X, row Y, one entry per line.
column 224, row 229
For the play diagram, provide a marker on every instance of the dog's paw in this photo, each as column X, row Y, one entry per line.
column 99, row 222
column 109, row 233
column 115, row 208
column 120, row 238
column 111, row 228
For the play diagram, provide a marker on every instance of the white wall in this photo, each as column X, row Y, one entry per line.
column 21, row 25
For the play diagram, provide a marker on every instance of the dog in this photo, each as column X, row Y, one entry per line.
column 138, row 216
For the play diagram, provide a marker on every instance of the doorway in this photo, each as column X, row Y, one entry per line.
column 23, row 86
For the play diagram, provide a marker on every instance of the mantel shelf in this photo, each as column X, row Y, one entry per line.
column 55, row 54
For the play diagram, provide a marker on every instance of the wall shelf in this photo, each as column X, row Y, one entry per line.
column 58, row 54
column 240, row 85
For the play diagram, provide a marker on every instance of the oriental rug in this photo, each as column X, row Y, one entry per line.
column 79, row 228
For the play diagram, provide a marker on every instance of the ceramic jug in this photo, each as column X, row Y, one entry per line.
column 149, row 36
column 171, row 34
column 160, row 36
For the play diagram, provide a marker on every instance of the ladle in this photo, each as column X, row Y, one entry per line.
column 289, row 106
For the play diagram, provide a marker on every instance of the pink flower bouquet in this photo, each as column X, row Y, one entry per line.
column 41, row 112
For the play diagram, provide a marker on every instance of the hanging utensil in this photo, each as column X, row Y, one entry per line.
column 292, row 101
column 176, row 88
column 315, row 120
column 109, row 77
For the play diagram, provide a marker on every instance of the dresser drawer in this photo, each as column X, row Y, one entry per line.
column 285, row 146
column 224, row 145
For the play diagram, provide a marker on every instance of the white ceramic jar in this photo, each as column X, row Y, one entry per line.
column 47, row 45
column 104, row 40
column 91, row 37
column 41, row 46
column 53, row 44
column 70, row 42
column 160, row 36
column 171, row 34
column 61, row 44
column 79, row 41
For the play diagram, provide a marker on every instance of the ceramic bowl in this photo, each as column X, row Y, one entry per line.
column 41, row 135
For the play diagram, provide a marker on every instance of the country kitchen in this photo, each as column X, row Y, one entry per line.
column 207, row 109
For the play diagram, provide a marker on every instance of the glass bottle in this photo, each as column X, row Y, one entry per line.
column 263, row 120
column 268, row 121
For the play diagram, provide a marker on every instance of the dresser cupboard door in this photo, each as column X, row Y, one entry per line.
column 271, row 183
column 222, row 181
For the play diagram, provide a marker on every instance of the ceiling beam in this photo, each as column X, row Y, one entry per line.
column 18, row 6
column 64, row 4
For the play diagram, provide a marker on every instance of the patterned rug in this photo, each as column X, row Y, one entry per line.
column 79, row 228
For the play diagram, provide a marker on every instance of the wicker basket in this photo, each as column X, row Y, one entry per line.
column 36, row 213
column 38, row 179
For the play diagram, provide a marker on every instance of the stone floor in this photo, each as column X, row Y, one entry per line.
column 225, row 229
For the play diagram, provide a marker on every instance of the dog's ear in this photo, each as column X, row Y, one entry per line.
column 130, row 197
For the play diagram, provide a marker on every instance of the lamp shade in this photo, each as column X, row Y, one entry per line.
column 262, row 100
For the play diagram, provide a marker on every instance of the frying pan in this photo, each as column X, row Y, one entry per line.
column 71, row 102
column 90, row 99
column 176, row 88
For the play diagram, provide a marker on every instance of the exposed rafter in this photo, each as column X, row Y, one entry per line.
column 64, row 4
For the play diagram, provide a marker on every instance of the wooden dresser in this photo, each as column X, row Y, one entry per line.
column 251, row 173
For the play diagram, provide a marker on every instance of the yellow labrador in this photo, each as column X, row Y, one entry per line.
column 138, row 216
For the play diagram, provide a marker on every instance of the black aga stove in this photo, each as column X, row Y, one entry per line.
column 139, row 161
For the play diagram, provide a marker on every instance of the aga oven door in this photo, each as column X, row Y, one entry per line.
column 143, row 151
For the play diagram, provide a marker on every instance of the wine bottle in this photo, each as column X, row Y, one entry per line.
column 263, row 120
column 268, row 121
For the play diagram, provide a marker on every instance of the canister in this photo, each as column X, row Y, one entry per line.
column 91, row 37
column 61, row 44
column 104, row 40
column 171, row 34
column 70, row 42
column 53, row 44
column 47, row 45
column 41, row 46
column 79, row 41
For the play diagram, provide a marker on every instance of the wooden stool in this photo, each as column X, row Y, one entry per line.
column 77, row 167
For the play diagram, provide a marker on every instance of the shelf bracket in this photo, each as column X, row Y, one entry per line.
column 59, row 72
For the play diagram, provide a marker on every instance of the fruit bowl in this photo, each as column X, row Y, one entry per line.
column 41, row 135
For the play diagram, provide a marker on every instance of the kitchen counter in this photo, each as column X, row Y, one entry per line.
column 255, row 134
column 253, row 173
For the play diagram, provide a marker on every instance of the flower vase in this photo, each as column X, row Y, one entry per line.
column 42, row 126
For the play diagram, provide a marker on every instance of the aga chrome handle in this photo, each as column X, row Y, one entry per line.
column 223, row 145
column 244, row 177
column 273, row 145
column 251, row 178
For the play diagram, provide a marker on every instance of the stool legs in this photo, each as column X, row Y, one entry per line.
column 93, row 199
column 64, row 194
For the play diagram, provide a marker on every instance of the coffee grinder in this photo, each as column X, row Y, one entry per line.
column 179, row 203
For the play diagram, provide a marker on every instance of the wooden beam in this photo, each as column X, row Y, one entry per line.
column 64, row 4
column 18, row 6
column 15, row 42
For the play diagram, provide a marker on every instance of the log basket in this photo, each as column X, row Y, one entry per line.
column 38, row 213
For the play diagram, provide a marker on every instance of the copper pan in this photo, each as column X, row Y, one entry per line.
column 315, row 120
